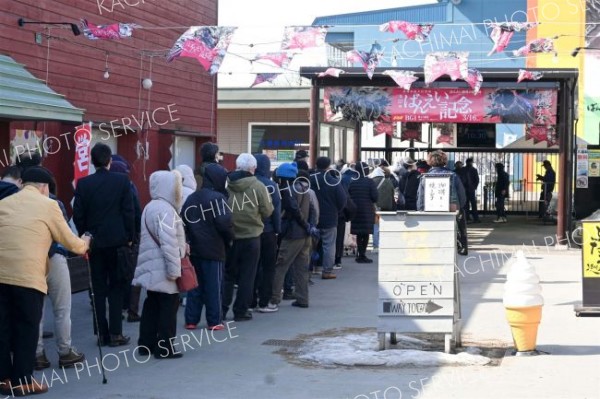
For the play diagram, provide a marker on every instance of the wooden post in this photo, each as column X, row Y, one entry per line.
column 357, row 142
column 313, row 149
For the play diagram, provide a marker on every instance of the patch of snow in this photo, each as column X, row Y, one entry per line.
column 362, row 350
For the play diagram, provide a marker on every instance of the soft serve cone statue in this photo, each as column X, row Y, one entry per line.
column 523, row 302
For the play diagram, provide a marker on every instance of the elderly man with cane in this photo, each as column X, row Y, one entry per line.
column 29, row 222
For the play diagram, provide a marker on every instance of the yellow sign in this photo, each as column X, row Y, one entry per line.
column 591, row 249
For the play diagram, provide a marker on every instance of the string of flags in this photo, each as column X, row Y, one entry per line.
column 209, row 45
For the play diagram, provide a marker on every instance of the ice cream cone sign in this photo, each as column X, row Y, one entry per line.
column 523, row 302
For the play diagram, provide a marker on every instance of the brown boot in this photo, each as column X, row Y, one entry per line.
column 41, row 362
column 71, row 358
column 118, row 340
column 33, row 388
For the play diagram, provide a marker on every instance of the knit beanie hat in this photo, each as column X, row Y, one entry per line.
column 287, row 170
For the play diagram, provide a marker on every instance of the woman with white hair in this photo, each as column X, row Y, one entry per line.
column 159, row 264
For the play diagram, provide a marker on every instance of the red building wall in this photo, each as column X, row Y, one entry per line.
column 75, row 68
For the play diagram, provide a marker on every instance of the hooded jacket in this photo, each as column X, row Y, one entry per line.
column 249, row 202
column 385, row 190
column 363, row 192
column 189, row 181
column 263, row 174
column 207, row 217
column 163, row 241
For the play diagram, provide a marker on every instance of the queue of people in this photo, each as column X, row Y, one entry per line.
column 250, row 234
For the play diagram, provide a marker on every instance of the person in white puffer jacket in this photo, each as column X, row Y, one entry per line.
column 159, row 264
column 189, row 181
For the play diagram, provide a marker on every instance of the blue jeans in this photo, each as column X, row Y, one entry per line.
column 208, row 293
column 328, row 237
column 376, row 235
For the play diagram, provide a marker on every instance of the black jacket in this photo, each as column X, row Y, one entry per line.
column 7, row 189
column 409, row 186
column 207, row 218
column 328, row 187
column 104, row 206
column 501, row 184
column 364, row 194
column 295, row 207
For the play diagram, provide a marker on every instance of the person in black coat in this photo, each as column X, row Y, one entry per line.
column 363, row 192
column 209, row 231
column 103, row 206
column 501, row 192
column 408, row 187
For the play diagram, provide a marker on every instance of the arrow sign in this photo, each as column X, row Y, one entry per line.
column 432, row 307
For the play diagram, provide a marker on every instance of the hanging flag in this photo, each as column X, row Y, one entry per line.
column 453, row 64
column 503, row 32
column 404, row 79
column 411, row 131
column 302, row 37
column 368, row 60
column 83, row 140
column 543, row 45
column 540, row 133
column 264, row 77
column 280, row 58
column 335, row 72
column 383, row 127
column 474, row 79
column 529, row 75
column 114, row 31
column 208, row 44
column 418, row 32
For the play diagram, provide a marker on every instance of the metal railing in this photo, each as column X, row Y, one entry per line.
column 522, row 167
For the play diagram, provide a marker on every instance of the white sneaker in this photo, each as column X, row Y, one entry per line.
column 337, row 266
column 500, row 220
column 375, row 250
column 270, row 308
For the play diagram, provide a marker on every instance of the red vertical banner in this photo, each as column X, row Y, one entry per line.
column 83, row 140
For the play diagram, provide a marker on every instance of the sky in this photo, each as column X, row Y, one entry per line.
column 292, row 12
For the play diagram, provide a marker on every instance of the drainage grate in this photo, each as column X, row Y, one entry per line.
column 290, row 343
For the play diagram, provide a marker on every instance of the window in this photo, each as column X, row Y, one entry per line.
column 278, row 141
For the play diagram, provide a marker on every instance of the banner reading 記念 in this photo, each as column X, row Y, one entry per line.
column 537, row 107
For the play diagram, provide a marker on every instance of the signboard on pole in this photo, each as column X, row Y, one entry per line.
column 83, row 140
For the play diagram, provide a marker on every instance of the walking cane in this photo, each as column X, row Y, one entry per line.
column 87, row 260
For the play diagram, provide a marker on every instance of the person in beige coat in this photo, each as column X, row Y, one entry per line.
column 29, row 222
column 162, row 246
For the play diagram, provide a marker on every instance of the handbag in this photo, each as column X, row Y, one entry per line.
column 188, row 280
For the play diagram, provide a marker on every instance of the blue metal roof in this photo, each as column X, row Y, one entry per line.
column 434, row 13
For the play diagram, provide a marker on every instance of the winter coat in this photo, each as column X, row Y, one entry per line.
column 385, row 191
column 103, row 205
column 296, row 209
column 189, row 181
column 501, row 184
column 250, row 202
column 409, row 187
column 473, row 178
column 29, row 222
column 7, row 189
column 331, row 195
column 458, row 196
column 363, row 192
column 207, row 217
column 163, row 240
column 263, row 174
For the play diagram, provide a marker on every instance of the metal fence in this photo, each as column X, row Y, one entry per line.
column 521, row 165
